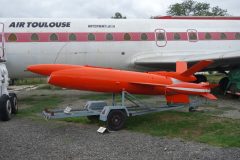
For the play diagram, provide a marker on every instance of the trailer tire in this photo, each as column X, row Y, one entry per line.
column 5, row 108
column 116, row 120
column 14, row 102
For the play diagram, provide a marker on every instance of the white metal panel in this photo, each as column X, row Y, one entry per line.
column 2, row 40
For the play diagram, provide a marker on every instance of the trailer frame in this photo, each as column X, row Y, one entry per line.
column 117, row 112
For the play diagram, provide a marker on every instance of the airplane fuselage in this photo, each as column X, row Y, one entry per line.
column 129, row 44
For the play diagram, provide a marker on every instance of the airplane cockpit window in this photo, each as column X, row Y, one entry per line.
column 177, row 36
column 223, row 36
column 109, row 37
column 192, row 36
column 91, row 37
column 12, row 37
column 127, row 37
column 72, row 37
column 237, row 35
column 160, row 36
column 208, row 36
column 54, row 37
column 34, row 37
column 144, row 37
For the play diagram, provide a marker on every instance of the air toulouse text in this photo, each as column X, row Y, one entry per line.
column 39, row 24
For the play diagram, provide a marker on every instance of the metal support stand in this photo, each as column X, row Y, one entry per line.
column 123, row 98
column 113, row 99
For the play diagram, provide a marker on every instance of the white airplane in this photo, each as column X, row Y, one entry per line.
column 129, row 44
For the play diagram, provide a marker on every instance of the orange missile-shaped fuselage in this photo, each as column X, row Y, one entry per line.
column 115, row 81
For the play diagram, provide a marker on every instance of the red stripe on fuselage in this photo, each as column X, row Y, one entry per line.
column 117, row 36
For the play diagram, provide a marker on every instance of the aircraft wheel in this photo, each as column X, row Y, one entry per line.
column 200, row 78
column 116, row 120
column 223, row 83
column 14, row 102
column 5, row 108
column 93, row 118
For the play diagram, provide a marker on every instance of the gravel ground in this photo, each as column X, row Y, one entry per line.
column 23, row 139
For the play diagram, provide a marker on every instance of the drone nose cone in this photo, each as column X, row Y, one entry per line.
column 40, row 69
column 48, row 69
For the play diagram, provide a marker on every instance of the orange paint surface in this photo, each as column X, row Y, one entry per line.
column 115, row 81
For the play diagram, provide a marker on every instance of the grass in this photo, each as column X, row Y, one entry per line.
column 190, row 126
column 30, row 81
column 48, row 87
column 37, row 105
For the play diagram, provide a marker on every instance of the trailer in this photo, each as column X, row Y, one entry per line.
column 114, row 115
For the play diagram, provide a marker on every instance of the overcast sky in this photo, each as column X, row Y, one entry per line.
column 99, row 8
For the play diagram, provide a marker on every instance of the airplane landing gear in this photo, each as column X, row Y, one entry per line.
column 8, row 101
column 14, row 102
column 5, row 108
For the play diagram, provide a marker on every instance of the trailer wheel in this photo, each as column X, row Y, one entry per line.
column 14, row 102
column 93, row 118
column 116, row 120
column 5, row 108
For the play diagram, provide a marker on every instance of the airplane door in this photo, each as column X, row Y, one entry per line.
column 192, row 35
column 2, row 41
column 160, row 37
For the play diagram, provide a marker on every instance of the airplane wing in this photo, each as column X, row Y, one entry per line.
column 223, row 60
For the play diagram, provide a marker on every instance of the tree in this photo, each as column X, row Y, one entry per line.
column 118, row 15
column 193, row 8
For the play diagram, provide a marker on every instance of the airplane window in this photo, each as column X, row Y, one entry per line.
column 54, row 37
column 192, row 36
column 72, row 37
column 237, row 35
column 91, row 37
column 109, row 37
column 12, row 37
column 223, row 36
column 34, row 37
column 177, row 36
column 144, row 37
column 161, row 36
column 127, row 37
column 208, row 36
